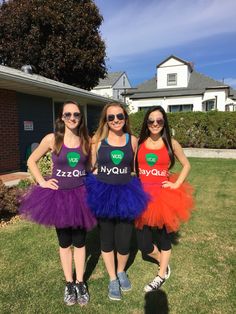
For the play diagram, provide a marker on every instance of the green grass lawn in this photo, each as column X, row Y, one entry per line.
column 202, row 261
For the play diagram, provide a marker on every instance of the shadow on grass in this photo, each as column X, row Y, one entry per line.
column 156, row 303
column 93, row 252
column 133, row 250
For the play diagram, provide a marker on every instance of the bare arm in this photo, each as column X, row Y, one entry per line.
column 134, row 143
column 94, row 148
column 45, row 146
column 179, row 153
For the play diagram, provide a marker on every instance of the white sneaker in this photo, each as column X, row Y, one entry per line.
column 155, row 284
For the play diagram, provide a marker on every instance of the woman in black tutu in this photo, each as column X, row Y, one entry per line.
column 60, row 201
column 114, row 195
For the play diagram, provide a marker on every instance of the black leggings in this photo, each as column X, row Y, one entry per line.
column 145, row 240
column 117, row 234
column 71, row 236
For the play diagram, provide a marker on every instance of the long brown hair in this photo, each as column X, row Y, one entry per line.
column 103, row 129
column 165, row 133
column 81, row 130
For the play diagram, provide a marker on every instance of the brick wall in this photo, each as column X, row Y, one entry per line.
column 9, row 132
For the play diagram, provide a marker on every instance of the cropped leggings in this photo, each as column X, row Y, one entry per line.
column 71, row 236
column 145, row 240
column 115, row 234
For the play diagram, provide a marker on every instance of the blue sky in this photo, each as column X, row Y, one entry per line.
column 140, row 34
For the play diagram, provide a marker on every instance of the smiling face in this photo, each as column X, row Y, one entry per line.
column 155, row 122
column 115, row 118
column 71, row 116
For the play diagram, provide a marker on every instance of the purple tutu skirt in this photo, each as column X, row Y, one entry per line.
column 123, row 201
column 59, row 208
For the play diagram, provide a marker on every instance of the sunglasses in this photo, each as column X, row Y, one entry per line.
column 159, row 122
column 68, row 115
column 119, row 116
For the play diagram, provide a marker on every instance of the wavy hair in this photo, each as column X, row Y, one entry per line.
column 81, row 130
column 165, row 133
column 103, row 129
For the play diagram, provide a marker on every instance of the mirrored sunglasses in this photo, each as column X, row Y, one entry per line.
column 68, row 115
column 159, row 122
column 119, row 116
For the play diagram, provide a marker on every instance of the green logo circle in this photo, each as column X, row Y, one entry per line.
column 117, row 156
column 73, row 159
column 151, row 159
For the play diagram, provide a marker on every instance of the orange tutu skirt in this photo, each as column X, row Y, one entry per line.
column 167, row 207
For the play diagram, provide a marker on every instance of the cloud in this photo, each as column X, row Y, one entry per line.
column 230, row 81
column 213, row 63
column 139, row 28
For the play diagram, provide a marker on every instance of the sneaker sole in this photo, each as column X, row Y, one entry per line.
column 125, row 290
column 69, row 304
column 113, row 299
column 153, row 289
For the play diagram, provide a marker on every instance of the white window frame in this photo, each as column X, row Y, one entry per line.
column 171, row 79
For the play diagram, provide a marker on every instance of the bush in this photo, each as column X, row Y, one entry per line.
column 213, row 129
column 8, row 198
column 45, row 165
column 25, row 183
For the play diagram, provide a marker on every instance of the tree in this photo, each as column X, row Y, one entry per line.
column 61, row 39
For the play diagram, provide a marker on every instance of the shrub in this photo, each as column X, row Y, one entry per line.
column 25, row 183
column 45, row 164
column 8, row 198
column 213, row 129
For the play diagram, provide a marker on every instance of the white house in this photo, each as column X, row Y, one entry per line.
column 177, row 87
column 113, row 85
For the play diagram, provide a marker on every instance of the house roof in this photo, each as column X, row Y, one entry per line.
column 176, row 58
column 34, row 84
column 109, row 80
column 198, row 83
column 232, row 93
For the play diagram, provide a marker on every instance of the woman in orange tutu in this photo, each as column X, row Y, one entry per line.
column 171, row 197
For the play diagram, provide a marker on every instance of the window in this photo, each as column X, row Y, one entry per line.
column 230, row 107
column 123, row 80
column 209, row 105
column 172, row 79
column 178, row 108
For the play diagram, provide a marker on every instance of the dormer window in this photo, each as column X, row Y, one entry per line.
column 171, row 79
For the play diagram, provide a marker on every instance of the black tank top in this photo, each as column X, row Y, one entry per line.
column 115, row 162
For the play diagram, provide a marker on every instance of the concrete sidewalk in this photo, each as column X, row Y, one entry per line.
column 210, row 153
column 11, row 179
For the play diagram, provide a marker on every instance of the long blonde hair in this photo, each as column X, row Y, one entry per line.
column 103, row 129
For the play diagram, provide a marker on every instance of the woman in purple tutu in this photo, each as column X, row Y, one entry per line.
column 60, row 201
column 114, row 195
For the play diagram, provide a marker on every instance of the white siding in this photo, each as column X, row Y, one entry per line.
column 219, row 96
column 116, row 90
column 119, row 83
column 182, row 72
column 106, row 92
column 165, row 102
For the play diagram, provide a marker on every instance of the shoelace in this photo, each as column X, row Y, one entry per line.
column 70, row 287
column 157, row 281
column 81, row 287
